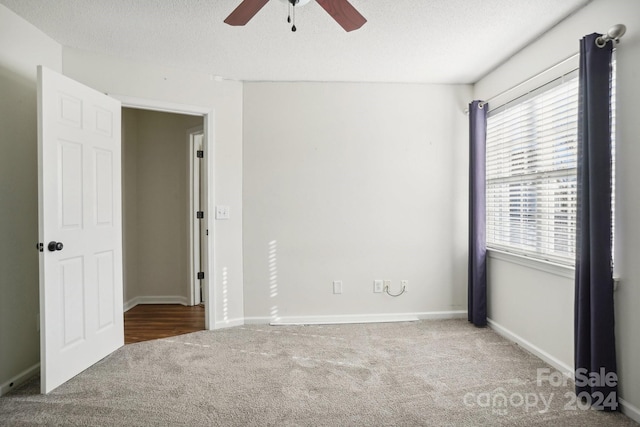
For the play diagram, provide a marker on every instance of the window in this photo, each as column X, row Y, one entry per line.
column 531, row 172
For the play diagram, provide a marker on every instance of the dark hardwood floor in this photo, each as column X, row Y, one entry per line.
column 152, row 321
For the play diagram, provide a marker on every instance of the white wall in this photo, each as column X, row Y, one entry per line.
column 156, row 194
column 148, row 81
column 535, row 305
column 22, row 48
column 520, row 297
column 354, row 182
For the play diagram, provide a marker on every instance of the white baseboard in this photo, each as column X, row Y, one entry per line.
column 221, row 324
column 532, row 348
column 164, row 299
column 629, row 410
column 435, row 315
column 19, row 379
column 354, row 318
column 257, row 320
column 345, row 319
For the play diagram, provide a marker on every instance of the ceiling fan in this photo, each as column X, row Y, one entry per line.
column 341, row 10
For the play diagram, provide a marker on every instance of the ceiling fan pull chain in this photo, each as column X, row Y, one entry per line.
column 293, row 28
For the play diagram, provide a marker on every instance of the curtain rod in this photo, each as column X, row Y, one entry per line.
column 614, row 34
column 515, row 87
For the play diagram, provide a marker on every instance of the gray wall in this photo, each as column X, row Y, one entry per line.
column 22, row 48
column 156, row 199
column 354, row 182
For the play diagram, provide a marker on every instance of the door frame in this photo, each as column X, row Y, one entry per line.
column 208, row 190
column 195, row 233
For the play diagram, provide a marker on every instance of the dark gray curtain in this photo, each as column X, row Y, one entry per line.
column 595, row 347
column 477, row 294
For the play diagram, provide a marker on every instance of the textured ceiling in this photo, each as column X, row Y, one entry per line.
column 432, row 41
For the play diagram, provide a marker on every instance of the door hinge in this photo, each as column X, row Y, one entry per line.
column 40, row 247
column 200, row 154
column 201, row 275
column 200, row 214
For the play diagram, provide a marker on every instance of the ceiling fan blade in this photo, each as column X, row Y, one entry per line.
column 344, row 13
column 244, row 12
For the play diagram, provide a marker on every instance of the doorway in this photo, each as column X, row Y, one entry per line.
column 158, row 228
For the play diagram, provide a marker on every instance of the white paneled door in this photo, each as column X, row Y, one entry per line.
column 80, row 227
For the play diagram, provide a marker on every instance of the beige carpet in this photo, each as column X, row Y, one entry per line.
column 406, row 374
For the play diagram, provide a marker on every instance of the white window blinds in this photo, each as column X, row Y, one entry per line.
column 531, row 173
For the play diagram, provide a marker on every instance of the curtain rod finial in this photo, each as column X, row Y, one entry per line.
column 617, row 31
column 614, row 33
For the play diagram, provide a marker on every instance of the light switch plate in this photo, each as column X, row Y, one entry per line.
column 222, row 212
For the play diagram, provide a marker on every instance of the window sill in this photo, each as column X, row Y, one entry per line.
column 546, row 266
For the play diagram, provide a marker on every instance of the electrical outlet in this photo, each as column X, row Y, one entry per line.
column 404, row 285
column 387, row 285
column 337, row 286
column 377, row 286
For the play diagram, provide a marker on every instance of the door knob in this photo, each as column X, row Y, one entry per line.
column 55, row 246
